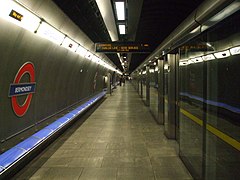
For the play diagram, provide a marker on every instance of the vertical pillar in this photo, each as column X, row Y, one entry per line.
column 161, row 91
column 177, row 96
column 137, row 82
column 141, row 85
column 147, row 86
column 109, row 86
column 114, row 79
column 170, row 128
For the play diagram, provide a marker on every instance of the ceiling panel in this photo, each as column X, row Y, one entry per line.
column 149, row 21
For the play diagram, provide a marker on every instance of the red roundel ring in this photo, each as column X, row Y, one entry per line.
column 20, row 110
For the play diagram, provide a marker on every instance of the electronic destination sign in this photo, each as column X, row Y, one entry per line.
column 122, row 47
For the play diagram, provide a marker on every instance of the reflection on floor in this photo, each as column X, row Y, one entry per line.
column 119, row 140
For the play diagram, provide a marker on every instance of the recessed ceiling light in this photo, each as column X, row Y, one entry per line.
column 120, row 8
column 122, row 29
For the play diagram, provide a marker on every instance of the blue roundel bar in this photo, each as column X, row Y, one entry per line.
column 16, row 153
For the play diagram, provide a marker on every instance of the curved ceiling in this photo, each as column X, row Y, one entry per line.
column 157, row 19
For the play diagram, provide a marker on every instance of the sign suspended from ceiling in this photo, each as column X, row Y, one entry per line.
column 122, row 47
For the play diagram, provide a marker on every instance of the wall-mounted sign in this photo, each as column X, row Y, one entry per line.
column 16, row 15
column 70, row 44
column 18, row 89
column 47, row 31
column 122, row 47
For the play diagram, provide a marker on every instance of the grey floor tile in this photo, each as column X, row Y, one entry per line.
column 163, row 151
column 135, row 173
column 99, row 174
column 167, row 162
column 39, row 174
column 119, row 140
column 134, row 152
column 86, row 162
column 27, row 174
column 58, row 173
column 142, row 162
column 57, row 162
column 171, row 173
column 105, row 153
column 118, row 162
column 135, row 177
column 72, row 153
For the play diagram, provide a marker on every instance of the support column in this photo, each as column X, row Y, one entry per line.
column 141, row 85
column 109, row 85
column 170, row 125
column 147, row 86
column 161, row 91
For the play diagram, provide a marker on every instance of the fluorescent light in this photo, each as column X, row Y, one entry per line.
column 208, row 44
column 120, row 8
column 100, row 62
column 17, row 14
column 208, row 57
column 190, row 61
column 81, row 51
column 197, row 29
column 151, row 70
column 235, row 50
column 233, row 7
column 156, row 68
column 48, row 32
column 222, row 54
column 122, row 29
column 107, row 13
column 182, row 63
column 119, row 72
column 166, row 66
column 96, row 59
column 70, row 44
column 197, row 60
column 89, row 55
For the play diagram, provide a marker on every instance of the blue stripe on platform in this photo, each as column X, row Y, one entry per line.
column 54, row 126
column 28, row 143
column 213, row 103
column 63, row 120
column 11, row 156
column 69, row 115
column 43, row 134
column 17, row 152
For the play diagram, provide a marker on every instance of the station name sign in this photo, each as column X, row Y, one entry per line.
column 122, row 47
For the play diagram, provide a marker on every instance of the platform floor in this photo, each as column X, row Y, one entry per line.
column 119, row 140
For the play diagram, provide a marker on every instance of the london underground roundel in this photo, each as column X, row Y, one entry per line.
column 19, row 89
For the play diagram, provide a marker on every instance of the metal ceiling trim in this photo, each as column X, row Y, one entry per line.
column 190, row 27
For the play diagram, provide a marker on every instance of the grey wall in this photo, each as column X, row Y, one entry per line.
column 62, row 77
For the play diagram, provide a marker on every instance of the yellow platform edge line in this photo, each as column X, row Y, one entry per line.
column 192, row 117
column 234, row 143
column 229, row 140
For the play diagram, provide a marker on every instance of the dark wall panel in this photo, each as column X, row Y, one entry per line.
column 62, row 79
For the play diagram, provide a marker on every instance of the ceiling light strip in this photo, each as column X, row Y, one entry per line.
column 120, row 8
column 122, row 29
column 19, row 15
